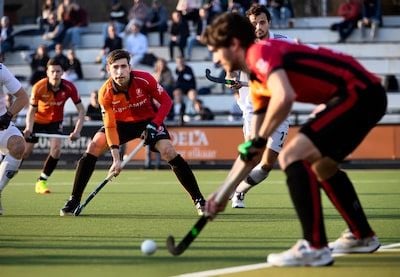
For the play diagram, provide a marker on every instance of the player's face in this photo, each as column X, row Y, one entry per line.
column 261, row 25
column 119, row 71
column 226, row 57
column 54, row 73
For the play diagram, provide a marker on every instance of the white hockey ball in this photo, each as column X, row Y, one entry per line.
column 148, row 247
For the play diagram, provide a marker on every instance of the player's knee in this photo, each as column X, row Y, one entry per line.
column 56, row 153
column 96, row 147
column 167, row 152
column 324, row 168
column 16, row 147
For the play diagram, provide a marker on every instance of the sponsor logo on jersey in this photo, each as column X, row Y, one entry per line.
column 139, row 93
column 262, row 66
column 160, row 89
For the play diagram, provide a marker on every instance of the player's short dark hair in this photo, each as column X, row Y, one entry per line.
column 55, row 61
column 117, row 55
column 227, row 26
column 257, row 9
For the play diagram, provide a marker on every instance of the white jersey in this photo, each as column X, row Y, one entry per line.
column 12, row 85
column 275, row 141
column 7, row 80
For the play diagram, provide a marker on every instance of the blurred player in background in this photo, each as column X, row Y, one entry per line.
column 134, row 105
column 46, row 115
column 281, row 73
column 12, row 144
column 260, row 17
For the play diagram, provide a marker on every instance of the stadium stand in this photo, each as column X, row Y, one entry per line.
column 381, row 56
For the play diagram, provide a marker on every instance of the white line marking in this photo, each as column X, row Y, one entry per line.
column 236, row 269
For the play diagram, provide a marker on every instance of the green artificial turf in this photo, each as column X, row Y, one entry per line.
column 105, row 239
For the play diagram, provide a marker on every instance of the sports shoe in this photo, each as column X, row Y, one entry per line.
column 302, row 254
column 69, row 207
column 348, row 243
column 238, row 200
column 41, row 187
column 200, row 206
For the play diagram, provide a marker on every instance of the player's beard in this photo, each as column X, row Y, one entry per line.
column 261, row 34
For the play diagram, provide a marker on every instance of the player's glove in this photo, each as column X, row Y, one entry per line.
column 5, row 120
column 248, row 149
column 149, row 135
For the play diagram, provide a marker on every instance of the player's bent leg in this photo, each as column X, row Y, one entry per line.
column 255, row 177
column 84, row 170
column 11, row 162
column 50, row 165
column 183, row 173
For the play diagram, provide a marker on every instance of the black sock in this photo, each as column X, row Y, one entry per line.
column 186, row 177
column 343, row 196
column 305, row 193
column 83, row 173
column 49, row 165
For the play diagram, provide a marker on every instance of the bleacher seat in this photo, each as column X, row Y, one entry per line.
column 381, row 56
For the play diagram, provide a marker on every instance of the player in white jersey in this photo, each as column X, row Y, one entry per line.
column 12, row 142
column 260, row 17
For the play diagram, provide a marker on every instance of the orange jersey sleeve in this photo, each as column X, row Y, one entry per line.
column 260, row 95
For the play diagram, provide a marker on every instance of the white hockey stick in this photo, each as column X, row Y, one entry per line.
column 108, row 179
column 44, row 135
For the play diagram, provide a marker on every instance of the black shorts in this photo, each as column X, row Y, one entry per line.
column 50, row 128
column 128, row 131
column 340, row 128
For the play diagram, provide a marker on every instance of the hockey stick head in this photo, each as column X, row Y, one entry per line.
column 188, row 239
column 78, row 210
column 219, row 80
column 171, row 246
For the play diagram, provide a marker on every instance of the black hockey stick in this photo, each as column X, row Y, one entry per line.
column 221, row 80
column 187, row 240
column 226, row 190
column 79, row 209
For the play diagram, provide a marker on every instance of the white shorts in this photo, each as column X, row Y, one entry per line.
column 12, row 130
column 277, row 139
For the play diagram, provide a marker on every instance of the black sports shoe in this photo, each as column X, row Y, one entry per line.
column 200, row 205
column 69, row 207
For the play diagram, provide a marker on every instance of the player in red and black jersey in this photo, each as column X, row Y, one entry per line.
column 46, row 115
column 134, row 105
column 351, row 101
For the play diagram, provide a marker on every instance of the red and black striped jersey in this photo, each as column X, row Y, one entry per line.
column 315, row 73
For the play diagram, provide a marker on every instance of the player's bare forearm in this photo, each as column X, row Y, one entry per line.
column 80, row 120
column 20, row 102
column 30, row 117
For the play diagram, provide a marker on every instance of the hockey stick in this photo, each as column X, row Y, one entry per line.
column 223, row 80
column 79, row 209
column 223, row 194
column 44, row 135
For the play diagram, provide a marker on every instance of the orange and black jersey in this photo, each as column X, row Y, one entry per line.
column 145, row 100
column 315, row 73
column 50, row 104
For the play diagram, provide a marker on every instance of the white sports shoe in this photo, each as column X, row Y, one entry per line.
column 348, row 243
column 302, row 254
column 238, row 200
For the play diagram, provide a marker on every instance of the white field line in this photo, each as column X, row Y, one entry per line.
column 168, row 182
column 236, row 269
